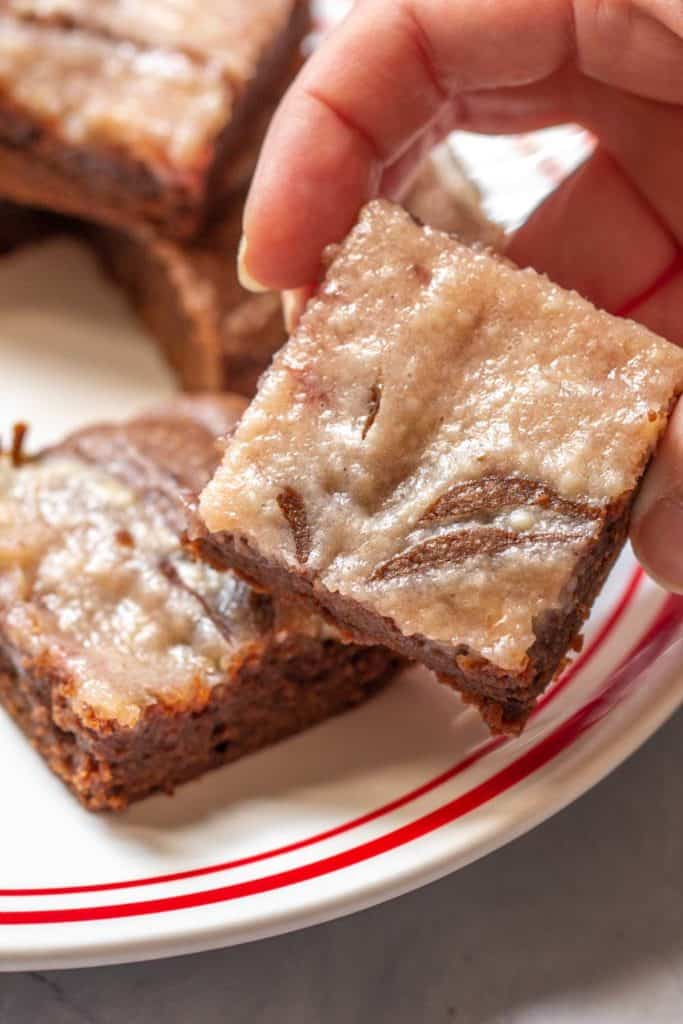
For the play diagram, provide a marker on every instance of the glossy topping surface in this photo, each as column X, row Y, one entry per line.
column 94, row 578
column 160, row 105
column 441, row 435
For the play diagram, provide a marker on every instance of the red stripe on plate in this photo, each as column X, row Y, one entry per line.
column 482, row 751
column 545, row 751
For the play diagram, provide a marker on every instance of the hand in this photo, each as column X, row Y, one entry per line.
column 399, row 74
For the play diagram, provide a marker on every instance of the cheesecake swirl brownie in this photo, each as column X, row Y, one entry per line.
column 443, row 457
column 126, row 111
column 130, row 666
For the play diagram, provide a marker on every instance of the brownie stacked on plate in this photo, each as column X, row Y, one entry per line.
column 439, row 465
column 145, row 122
column 130, row 668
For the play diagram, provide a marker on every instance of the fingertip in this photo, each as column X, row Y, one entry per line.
column 293, row 305
column 293, row 212
column 657, row 539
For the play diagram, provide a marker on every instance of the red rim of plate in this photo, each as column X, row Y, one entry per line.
column 619, row 681
column 478, row 754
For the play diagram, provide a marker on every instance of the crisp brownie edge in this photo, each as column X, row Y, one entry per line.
column 504, row 699
column 287, row 686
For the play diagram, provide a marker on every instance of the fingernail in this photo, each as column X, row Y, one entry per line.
column 289, row 311
column 245, row 278
column 293, row 304
column 657, row 535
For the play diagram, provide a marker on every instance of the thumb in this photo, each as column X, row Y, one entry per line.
column 657, row 524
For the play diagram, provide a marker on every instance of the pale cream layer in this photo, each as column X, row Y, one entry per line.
column 421, row 365
column 159, row 105
column 234, row 34
column 72, row 586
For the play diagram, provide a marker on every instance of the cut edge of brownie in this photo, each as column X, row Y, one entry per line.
column 208, row 346
column 504, row 699
column 295, row 684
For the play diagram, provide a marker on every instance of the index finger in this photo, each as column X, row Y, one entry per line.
column 372, row 88
column 385, row 76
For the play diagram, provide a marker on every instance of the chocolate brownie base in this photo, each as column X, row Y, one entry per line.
column 130, row 667
column 279, row 691
column 504, row 699
column 214, row 334
column 20, row 225
column 104, row 182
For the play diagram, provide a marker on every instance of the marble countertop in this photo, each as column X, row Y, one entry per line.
column 580, row 921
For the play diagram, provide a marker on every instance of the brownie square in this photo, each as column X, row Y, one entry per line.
column 444, row 458
column 126, row 113
column 131, row 667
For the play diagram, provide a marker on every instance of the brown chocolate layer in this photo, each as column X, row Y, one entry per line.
column 491, row 495
column 214, row 334
column 281, row 688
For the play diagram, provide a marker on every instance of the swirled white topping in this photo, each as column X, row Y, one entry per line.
column 423, row 366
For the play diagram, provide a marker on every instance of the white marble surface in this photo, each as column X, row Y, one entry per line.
column 580, row 921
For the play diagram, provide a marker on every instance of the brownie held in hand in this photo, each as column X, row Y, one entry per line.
column 444, row 458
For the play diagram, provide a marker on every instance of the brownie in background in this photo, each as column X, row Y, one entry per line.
column 129, row 666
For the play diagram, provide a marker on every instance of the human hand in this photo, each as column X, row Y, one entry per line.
column 397, row 75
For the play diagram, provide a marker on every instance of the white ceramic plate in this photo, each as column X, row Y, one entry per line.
column 360, row 809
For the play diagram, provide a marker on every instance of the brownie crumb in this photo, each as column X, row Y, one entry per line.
column 19, row 432
column 373, row 408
